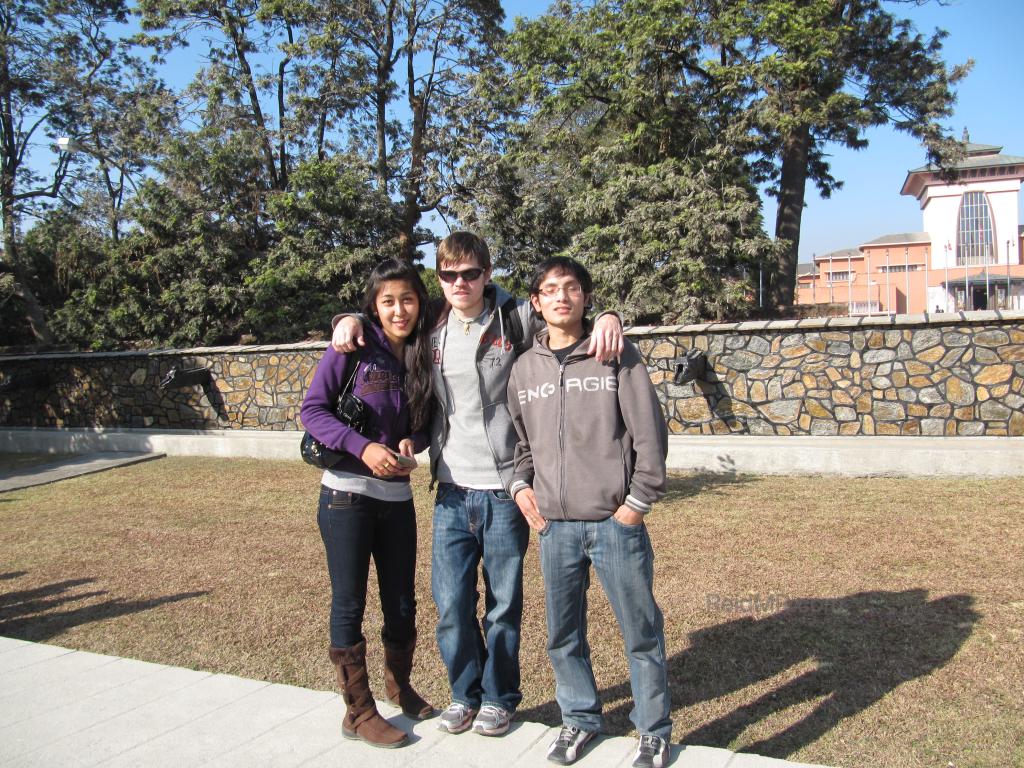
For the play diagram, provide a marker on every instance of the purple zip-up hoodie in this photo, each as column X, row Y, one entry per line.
column 379, row 382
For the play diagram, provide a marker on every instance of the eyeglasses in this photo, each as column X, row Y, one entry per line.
column 575, row 290
column 467, row 275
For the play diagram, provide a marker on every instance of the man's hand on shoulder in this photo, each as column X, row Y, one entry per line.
column 348, row 333
column 606, row 339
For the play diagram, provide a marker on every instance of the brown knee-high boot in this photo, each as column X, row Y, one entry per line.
column 362, row 720
column 397, row 669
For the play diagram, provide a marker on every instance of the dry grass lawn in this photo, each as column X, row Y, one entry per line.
column 864, row 622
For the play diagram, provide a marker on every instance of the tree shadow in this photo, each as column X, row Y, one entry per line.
column 684, row 486
column 858, row 648
column 29, row 614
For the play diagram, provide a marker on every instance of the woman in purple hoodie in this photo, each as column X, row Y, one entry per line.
column 366, row 506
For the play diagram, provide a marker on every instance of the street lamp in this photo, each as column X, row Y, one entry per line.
column 115, row 191
column 72, row 146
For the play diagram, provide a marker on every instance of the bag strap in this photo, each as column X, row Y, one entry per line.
column 351, row 363
column 514, row 325
column 351, row 368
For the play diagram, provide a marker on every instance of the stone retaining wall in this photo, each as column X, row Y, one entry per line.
column 947, row 374
column 255, row 387
column 956, row 374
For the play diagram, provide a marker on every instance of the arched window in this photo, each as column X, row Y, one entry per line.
column 974, row 240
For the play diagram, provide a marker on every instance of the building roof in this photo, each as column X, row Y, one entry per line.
column 977, row 156
column 805, row 269
column 842, row 253
column 900, row 238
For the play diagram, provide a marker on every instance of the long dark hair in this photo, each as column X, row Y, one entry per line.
column 417, row 345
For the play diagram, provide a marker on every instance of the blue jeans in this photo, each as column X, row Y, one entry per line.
column 470, row 526
column 624, row 561
column 354, row 528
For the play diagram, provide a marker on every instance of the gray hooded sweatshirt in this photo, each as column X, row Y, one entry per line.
column 591, row 435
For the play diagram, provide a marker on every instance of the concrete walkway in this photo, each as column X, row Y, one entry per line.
column 62, row 469
column 67, row 708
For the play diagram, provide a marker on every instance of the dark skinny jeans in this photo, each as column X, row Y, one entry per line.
column 353, row 528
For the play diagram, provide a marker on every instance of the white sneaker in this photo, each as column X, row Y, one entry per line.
column 492, row 721
column 567, row 748
column 651, row 752
column 457, row 718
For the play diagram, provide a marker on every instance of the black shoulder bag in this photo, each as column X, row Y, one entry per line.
column 350, row 411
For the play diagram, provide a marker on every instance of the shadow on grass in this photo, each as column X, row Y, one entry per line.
column 860, row 646
column 684, row 486
column 29, row 614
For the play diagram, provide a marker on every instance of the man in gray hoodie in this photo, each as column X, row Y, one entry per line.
column 589, row 464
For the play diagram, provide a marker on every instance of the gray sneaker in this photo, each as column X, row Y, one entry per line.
column 492, row 720
column 651, row 752
column 457, row 718
column 567, row 748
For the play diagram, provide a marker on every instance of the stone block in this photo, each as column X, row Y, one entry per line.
column 693, row 410
column 760, row 427
column 992, row 338
column 993, row 374
column 917, row 368
column 817, row 409
column 907, row 394
column 888, row 411
column 664, row 350
column 970, row 428
column 931, row 355
column 759, row 345
column 986, row 356
column 741, row 360
column 926, row 338
column 993, row 410
column 958, row 391
column 824, row 427
column 845, row 413
column 781, row 411
column 887, row 429
column 1016, row 426
column 797, row 390
column 879, row 356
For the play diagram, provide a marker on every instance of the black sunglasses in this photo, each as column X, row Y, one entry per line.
column 467, row 275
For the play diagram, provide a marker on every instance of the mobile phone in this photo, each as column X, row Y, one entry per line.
column 406, row 462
